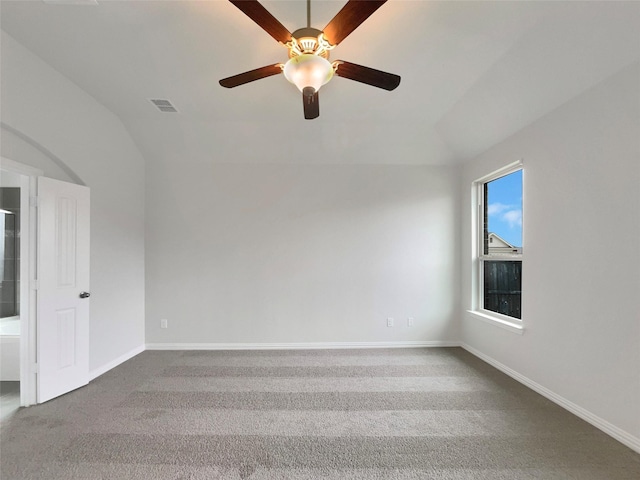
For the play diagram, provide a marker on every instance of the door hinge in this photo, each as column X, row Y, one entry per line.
column 35, row 368
column 35, row 284
column 34, row 202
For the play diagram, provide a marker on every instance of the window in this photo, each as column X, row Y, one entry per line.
column 499, row 245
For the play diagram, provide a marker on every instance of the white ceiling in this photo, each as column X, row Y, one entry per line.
column 473, row 73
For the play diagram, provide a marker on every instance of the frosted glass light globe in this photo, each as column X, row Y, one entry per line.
column 308, row 70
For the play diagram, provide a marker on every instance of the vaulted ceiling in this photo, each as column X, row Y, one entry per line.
column 473, row 73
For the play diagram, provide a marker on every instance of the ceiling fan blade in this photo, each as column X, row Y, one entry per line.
column 251, row 75
column 370, row 76
column 256, row 12
column 349, row 18
column 311, row 105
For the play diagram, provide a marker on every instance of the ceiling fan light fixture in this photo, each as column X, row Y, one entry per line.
column 308, row 67
column 308, row 70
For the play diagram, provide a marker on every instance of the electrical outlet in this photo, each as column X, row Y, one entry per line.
column 164, row 323
column 389, row 322
column 410, row 322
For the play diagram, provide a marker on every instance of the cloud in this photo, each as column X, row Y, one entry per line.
column 513, row 218
column 506, row 213
column 497, row 208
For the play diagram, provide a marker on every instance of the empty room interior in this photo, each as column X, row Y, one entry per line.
column 320, row 239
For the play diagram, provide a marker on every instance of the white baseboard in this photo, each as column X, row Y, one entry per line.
column 296, row 346
column 96, row 372
column 622, row 436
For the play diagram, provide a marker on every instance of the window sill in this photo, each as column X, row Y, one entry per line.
column 512, row 327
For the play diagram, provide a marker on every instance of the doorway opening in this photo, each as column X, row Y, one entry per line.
column 17, row 298
column 9, row 293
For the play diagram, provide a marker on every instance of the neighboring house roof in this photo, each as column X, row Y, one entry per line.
column 498, row 244
column 496, row 240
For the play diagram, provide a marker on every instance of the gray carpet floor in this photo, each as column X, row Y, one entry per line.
column 400, row 414
column 9, row 398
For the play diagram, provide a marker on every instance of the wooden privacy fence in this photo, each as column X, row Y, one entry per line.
column 503, row 287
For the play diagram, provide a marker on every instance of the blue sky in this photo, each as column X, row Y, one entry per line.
column 504, row 206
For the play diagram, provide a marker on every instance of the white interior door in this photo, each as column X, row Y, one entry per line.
column 63, row 286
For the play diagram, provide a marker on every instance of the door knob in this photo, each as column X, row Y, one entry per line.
column 85, row 295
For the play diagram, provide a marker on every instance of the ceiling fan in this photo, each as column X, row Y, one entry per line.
column 308, row 66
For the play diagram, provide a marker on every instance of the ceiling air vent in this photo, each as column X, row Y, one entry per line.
column 164, row 105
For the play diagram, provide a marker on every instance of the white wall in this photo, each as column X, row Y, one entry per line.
column 297, row 254
column 19, row 149
column 581, row 270
column 69, row 126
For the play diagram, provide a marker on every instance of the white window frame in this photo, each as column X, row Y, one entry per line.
column 512, row 324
